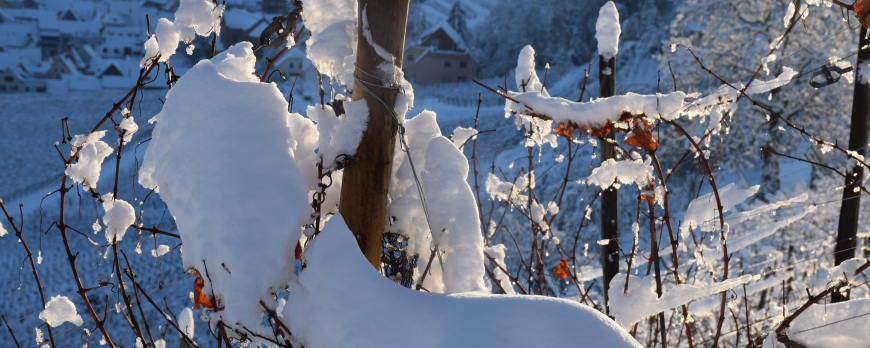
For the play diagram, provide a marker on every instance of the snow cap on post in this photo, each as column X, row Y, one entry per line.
column 607, row 30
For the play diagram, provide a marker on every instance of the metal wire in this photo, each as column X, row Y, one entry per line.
column 403, row 143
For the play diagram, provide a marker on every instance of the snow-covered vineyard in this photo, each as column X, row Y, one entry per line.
column 469, row 173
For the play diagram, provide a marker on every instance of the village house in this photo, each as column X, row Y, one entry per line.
column 440, row 56
column 14, row 79
column 242, row 25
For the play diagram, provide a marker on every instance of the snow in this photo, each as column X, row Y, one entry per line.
column 339, row 135
column 702, row 211
column 367, row 33
column 167, row 39
column 198, row 17
column 235, row 136
column 333, row 41
column 751, row 237
column 641, row 300
column 3, row 231
column 462, row 135
column 60, row 310
column 161, row 250
column 627, row 171
column 599, row 111
column 497, row 252
column 128, row 124
column 152, row 48
column 119, row 216
column 725, row 94
column 193, row 17
column 86, row 170
column 453, row 225
column 324, row 311
column 761, row 86
column 607, row 30
column 841, row 325
column 185, row 322
column 788, row 14
column 506, row 191
column 525, row 72
column 827, row 277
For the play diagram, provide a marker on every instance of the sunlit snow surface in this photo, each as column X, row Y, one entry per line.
column 341, row 301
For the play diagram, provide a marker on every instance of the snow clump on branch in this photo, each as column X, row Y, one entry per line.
column 91, row 152
column 60, row 310
column 332, row 46
column 236, row 144
column 193, row 17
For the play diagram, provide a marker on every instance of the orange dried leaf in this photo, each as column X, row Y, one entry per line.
column 565, row 131
column 199, row 299
column 641, row 136
column 562, row 269
column 862, row 9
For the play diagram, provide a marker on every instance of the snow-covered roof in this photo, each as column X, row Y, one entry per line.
column 238, row 18
column 90, row 51
column 69, row 15
column 40, row 68
column 79, row 10
column 13, row 56
column 295, row 53
column 47, row 19
column 443, row 25
column 114, row 19
column 17, row 71
column 68, row 63
column 259, row 28
column 80, row 28
column 18, row 34
column 77, row 59
column 5, row 18
column 432, row 50
column 127, row 67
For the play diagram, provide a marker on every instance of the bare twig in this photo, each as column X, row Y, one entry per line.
column 20, row 237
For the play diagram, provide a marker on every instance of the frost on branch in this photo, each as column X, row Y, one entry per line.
column 627, row 171
column 702, row 210
column 128, row 125
column 332, row 46
column 607, row 30
column 238, row 197
column 455, row 223
column 497, row 252
column 641, row 300
column 510, row 192
column 725, row 95
column 86, row 169
column 324, row 311
column 119, row 216
column 60, row 310
column 599, row 111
